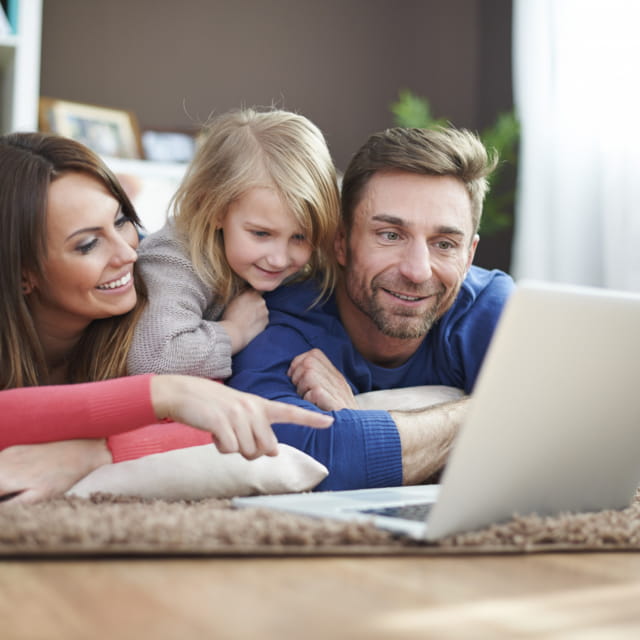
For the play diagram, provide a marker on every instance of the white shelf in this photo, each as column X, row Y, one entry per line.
column 150, row 186
column 20, row 70
column 8, row 43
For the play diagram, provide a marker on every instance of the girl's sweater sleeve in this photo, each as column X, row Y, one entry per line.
column 119, row 410
column 178, row 331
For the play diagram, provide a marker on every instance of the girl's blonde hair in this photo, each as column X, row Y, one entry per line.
column 29, row 163
column 248, row 148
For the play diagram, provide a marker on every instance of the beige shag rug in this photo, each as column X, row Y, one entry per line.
column 109, row 525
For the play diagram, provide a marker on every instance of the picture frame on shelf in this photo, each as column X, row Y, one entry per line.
column 109, row 132
column 168, row 145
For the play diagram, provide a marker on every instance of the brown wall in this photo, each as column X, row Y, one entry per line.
column 340, row 62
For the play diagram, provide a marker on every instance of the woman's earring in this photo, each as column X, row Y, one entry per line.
column 27, row 288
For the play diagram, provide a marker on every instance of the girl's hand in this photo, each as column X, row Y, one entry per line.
column 240, row 422
column 244, row 318
column 29, row 473
column 318, row 381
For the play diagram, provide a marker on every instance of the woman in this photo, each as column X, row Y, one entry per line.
column 70, row 301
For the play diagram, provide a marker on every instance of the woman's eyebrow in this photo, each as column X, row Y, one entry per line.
column 94, row 229
column 83, row 230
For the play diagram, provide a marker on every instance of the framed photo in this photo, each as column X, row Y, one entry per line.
column 168, row 146
column 109, row 132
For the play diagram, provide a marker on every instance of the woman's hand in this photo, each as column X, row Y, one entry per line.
column 240, row 422
column 244, row 318
column 29, row 473
column 318, row 381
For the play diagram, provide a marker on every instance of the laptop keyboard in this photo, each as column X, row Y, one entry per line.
column 406, row 512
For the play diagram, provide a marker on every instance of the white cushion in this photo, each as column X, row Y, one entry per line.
column 204, row 472
column 408, row 398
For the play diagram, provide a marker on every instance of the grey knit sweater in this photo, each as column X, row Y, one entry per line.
column 178, row 332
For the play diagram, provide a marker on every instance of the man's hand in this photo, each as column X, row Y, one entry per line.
column 319, row 382
column 41, row 471
column 240, row 422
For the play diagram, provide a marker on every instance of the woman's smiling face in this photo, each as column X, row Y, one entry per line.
column 87, row 272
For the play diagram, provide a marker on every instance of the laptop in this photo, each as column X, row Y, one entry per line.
column 553, row 426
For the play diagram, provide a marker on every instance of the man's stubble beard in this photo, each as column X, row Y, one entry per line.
column 388, row 323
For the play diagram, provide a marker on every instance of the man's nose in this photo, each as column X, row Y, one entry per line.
column 416, row 263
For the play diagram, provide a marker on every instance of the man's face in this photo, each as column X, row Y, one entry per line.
column 409, row 249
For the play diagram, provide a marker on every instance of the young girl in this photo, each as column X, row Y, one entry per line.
column 259, row 206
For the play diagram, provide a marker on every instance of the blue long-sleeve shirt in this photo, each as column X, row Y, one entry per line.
column 362, row 448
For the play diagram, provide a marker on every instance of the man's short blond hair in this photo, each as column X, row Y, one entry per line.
column 444, row 151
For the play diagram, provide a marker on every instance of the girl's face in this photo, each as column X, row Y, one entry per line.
column 263, row 243
column 91, row 250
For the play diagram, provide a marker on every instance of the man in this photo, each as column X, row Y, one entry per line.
column 409, row 309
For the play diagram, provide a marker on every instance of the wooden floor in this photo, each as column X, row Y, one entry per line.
column 576, row 596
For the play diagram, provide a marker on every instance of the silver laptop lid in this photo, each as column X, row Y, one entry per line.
column 554, row 423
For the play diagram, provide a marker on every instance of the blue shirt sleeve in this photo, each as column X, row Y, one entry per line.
column 361, row 449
